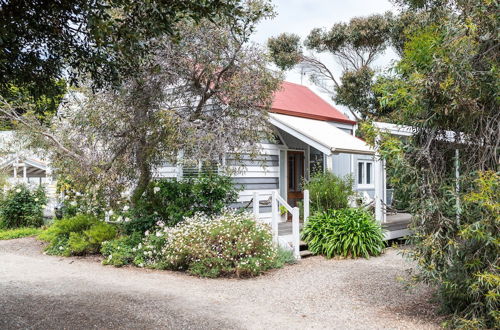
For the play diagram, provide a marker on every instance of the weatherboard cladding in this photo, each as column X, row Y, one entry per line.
column 259, row 174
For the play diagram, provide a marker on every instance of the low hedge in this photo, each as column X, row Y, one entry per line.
column 78, row 235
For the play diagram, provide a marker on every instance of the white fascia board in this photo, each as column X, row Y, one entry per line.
column 342, row 125
column 301, row 136
column 36, row 163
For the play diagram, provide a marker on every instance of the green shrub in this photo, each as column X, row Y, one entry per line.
column 170, row 200
column 225, row 245
column 284, row 257
column 463, row 260
column 347, row 232
column 328, row 191
column 22, row 207
column 120, row 251
column 19, row 232
column 78, row 235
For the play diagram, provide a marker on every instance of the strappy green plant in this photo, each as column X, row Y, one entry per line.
column 348, row 232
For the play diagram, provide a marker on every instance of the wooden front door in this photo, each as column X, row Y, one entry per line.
column 295, row 172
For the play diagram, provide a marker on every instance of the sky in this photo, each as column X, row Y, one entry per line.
column 301, row 16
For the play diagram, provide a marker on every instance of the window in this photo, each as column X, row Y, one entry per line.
column 365, row 173
column 316, row 161
column 193, row 170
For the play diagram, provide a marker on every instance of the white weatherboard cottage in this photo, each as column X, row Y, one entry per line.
column 310, row 135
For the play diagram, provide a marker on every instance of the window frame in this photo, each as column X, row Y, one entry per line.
column 364, row 167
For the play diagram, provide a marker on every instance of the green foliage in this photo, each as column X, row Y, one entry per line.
column 170, row 200
column 347, row 232
column 121, row 251
column 285, row 50
column 43, row 105
column 361, row 33
column 100, row 39
column 78, row 235
column 328, row 191
column 284, row 257
column 446, row 88
column 19, row 232
column 134, row 146
column 356, row 90
column 21, row 206
column 231, row 244
column 465, row 266
column 354, row 46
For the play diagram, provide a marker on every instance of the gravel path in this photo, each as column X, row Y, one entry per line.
column 47, row 292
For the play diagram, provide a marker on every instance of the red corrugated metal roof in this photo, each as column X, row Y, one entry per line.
column 297, row 100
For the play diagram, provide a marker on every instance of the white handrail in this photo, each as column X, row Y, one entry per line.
column 274, row 216
column 255, row 205
column 276, row 201
column 306, row 206
column 284, row 203
column 296, row 232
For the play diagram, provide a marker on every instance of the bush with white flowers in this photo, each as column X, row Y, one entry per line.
column 22, row 206
column 170, row 200
column 231, row 244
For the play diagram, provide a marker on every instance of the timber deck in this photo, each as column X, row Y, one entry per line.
column 396, row 225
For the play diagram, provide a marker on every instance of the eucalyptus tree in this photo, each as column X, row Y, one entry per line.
column 354, row 46
column 204, row 94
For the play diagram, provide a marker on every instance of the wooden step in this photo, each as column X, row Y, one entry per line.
column 305, row 254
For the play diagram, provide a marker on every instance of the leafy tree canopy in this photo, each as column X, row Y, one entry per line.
column 446, row 87
column 44, row 41
column 354, row 46
column 203, row 95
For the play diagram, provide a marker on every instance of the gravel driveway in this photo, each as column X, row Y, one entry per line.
column 47, row 292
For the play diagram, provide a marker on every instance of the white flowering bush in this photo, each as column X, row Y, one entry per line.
column 231, row 244
column 170, row 200
column 22, row 206
column 73, row 202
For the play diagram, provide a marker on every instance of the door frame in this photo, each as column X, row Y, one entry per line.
column 304, row 168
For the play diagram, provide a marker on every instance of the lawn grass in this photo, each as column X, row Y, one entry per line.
column 19, row 232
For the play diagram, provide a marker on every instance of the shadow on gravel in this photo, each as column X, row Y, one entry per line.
column 21, row 309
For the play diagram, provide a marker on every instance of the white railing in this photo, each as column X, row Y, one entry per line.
column 276, row 202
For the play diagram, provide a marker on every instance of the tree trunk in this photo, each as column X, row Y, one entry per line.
column 144, row 173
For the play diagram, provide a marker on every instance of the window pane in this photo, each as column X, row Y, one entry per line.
column 368, row 173
column 360, row 173
column 316, row 161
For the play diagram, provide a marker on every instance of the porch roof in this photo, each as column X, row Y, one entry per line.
column 27, row 161
column 321, row 135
